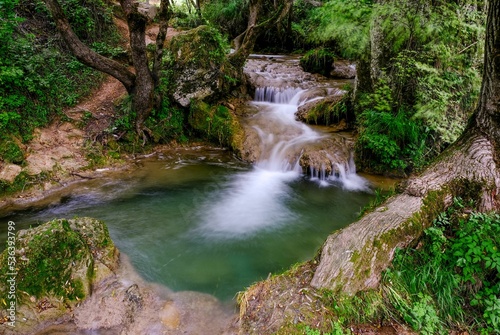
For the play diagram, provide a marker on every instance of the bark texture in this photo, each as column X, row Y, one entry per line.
column 488, row 116
column 352, row 259
column 86, row 55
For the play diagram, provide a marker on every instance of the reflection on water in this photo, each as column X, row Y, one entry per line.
column 211, row 225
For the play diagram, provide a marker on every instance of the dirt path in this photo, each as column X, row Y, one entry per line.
column 59, row 152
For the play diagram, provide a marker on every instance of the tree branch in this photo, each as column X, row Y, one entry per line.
column 86, row 55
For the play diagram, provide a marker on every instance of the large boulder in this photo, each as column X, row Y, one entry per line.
column 217, row 123
column 46, row 271
column 330, row 110
column 197, row 66
column 343, row 70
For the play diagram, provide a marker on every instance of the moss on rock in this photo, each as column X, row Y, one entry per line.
column 333, row 110
column 197, row 66
column 55, row 265
column 10, row 151
column 217, row 123
column 318, row 61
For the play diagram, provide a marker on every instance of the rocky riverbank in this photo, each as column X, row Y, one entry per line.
column 86, row 285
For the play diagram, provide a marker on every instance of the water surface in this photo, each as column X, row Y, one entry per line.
column 210, row 224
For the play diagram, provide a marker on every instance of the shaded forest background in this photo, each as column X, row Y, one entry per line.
column 419, row 67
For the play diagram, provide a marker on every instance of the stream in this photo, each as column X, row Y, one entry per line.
column 199, row 219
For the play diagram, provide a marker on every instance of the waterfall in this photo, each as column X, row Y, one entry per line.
column 257, row 200
column 283, row 139
column 275, row 94
column 343, row 174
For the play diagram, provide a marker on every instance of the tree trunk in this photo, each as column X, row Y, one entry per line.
column 86, row 55
column 487, row 119
column 245, row 42
column 143, row 93
column 141, row 84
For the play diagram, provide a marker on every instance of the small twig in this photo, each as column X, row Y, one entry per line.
column 79, row 175
column 467, row 47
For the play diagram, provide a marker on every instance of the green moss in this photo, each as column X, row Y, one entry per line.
column 10, row 151
column 45, row 268
column 318, row 61
column 202, row 45
column 331, row 112
column 216, row 123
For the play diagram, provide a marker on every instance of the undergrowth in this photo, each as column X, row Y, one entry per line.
column 449, row 281
column 38, row 77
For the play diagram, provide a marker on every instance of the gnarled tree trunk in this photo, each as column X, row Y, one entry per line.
column 141, row 82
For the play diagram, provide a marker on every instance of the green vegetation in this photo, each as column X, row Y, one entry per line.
column 450, row 279
column 419, row 61
column 343, row 24
column 37, row 77
column 230, row 17
column 337, row 329
column 23, row 181
column 389, row 139
column 318, row 61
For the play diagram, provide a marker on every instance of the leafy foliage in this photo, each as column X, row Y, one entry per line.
column 37, row 78
column 456, row 270
column 345, row 23
column 230, row 17
column 388, row 139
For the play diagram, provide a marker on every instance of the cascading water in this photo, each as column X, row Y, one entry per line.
column 256, row 200
column 201, row 220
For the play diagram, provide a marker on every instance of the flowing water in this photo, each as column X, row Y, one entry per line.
column 202, row 220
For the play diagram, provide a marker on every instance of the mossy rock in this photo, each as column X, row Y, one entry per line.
column 328, row 111
column 318, row 61
column 197, row 66
column 216, row 123
column 55, row 265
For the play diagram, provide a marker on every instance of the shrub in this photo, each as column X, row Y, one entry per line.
column 318, row 61
column 455, row 271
